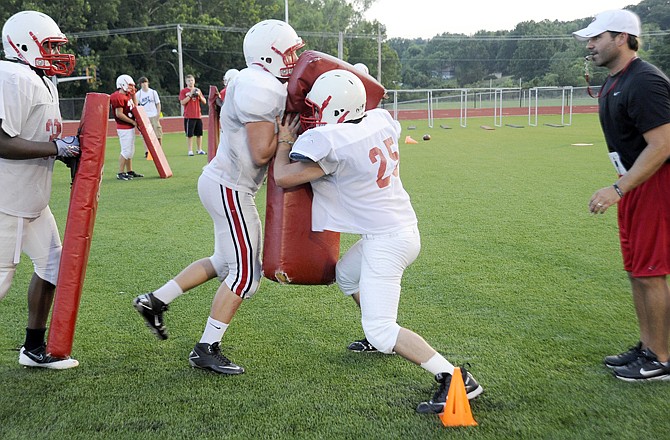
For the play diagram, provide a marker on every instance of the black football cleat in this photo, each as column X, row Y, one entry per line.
column 152, row 310
column 209, row 357
column 362, row 345
column 436, row 404
column 38, row 357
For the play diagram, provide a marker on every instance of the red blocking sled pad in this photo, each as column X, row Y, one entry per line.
column 150, row 139
column 311, row 64
column 292, row 252
column 81, row 213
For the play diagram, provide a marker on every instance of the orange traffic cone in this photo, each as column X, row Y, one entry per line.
column 149, row 157
column 409, row 140
column 457, row 408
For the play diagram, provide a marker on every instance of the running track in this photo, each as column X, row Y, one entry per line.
column 176, row 124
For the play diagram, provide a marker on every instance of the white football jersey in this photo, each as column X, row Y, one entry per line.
column 29, row 110
column 255, row 95
column 361, row 192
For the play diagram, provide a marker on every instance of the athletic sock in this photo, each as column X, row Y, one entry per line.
column 214, row 331
column 438, row 364
column 168, row 292
column 34, row 338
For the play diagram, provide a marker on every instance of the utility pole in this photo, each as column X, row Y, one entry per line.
column 181, row 63
column 379, row 54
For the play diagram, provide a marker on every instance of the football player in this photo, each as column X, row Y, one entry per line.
column 227, row 78
column 351, row 159
column 122, row 101
column 227, row 188
column 30, row 142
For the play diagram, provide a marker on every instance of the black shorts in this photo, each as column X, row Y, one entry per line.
column 193, row 127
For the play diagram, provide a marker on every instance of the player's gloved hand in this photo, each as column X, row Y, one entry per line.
column 68, row 147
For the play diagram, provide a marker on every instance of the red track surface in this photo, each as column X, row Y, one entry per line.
column 404, row 115
column 176, row 124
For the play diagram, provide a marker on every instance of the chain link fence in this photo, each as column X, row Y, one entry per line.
column 70, row 108
column 406, row 99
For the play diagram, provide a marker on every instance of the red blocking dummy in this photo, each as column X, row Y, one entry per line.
column 310, row 66
column 79, row 225
column 212, row 123
column 154, row 147
column 292, row 253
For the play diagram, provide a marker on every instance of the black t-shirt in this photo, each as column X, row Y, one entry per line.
column 632, row 102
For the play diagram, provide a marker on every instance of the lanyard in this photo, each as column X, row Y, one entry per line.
column 600, row 92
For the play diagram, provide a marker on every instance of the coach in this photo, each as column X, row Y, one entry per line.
column 634, row 109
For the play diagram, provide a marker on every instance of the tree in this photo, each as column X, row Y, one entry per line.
column 532, row 56
column 324, row 20
column 110, row 37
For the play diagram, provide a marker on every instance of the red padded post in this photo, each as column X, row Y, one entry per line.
column 212, row 123
column 79, row 226
column 150, row 139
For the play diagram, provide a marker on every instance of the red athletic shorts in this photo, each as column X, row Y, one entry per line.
column 644, row 226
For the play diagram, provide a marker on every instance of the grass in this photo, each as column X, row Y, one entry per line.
column 515, row 277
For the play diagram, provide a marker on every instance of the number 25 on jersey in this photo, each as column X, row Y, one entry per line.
column 376, row 154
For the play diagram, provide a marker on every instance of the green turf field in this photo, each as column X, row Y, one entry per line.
column 515, row 277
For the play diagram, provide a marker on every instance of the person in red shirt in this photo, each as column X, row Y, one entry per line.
column 123, row 101
column 190, row 98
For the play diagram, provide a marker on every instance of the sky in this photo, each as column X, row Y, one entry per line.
column 428, row 18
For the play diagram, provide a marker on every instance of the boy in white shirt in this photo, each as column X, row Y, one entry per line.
column 149, row 99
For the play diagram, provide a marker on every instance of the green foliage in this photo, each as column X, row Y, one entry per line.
column 533, row 51
column 139, row 40
column 514, row 277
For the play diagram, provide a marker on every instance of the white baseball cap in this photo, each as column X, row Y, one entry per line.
column 617, row 20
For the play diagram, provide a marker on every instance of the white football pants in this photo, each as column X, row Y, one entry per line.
column 374, row 267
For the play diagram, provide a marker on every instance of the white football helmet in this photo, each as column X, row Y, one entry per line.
column 336, row 96
column 125, row 82
column 272, row 44
column 35, row 39
column 362, row 67
column 229, row 75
